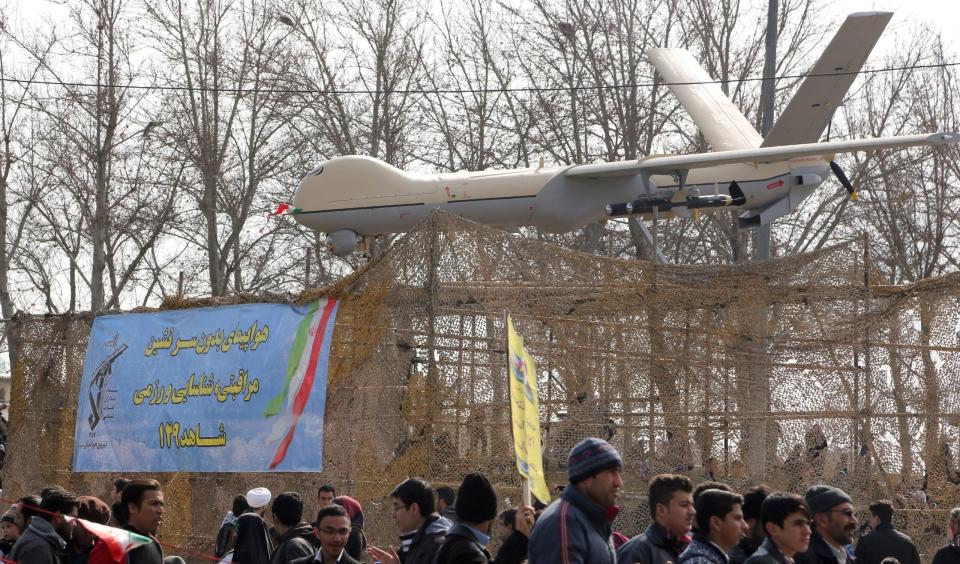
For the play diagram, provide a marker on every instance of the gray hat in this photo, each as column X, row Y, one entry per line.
column 822, row 498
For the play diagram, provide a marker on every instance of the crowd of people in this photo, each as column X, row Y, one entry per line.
column 707, row 523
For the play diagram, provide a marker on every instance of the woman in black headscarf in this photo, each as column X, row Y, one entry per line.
column 253, row 540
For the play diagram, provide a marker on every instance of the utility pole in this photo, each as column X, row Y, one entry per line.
column 767, row 91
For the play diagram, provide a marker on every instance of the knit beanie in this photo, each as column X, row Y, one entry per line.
column 476, row 499
column 13, row 515
column 590, row 457
column 94, row 510
column 822, row 498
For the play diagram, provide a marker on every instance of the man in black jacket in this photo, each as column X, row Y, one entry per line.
column 834, row 523
column 45, row 540
column 885, row 540
column 293, row 535
column 950, row 553
column 672, row 510
column 422, row 530
column 141, row 511
column 785, row 519
column 476, row 507
column 333, row 530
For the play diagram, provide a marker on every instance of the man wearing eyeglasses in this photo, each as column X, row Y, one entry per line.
column 834, row 523
column 333, row 530
column 422, row 530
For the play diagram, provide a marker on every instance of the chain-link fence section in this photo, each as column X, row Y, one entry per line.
column 791, row 372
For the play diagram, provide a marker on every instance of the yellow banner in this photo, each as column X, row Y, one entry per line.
column 525, row 412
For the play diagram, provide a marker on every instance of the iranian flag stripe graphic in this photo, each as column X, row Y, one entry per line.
column 302, row 383
column 118, row 541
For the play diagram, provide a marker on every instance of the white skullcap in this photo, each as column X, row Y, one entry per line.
column 258, row 497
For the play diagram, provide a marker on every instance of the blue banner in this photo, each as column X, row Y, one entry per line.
column 225, row 389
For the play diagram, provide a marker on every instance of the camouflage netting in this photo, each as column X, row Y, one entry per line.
column 793, row 371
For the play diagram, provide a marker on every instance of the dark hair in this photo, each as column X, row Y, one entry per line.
column 29, row 504
column 133, row 493
column 662, row 488
column 509, row 518
column 415, row 490
column 332, row 510
column 119, row 484
column 708, row 485
column 287, row 508
column 714, row 503
column 780, row 505
column 240, row 505
column 57, row 500
column 753, row 500
column 447, row 494
column 883, row 510
column 327, row 488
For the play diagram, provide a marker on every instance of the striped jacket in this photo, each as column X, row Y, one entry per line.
column 573, row 530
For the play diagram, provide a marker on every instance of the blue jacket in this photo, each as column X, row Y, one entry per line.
column 703, row 552
column 573, row 530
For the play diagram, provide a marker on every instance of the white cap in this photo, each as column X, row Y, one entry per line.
column 258, row 497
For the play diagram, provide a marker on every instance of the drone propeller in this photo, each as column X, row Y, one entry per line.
column 838, row 172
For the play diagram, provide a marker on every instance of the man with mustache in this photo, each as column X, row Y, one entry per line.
column 834, row 523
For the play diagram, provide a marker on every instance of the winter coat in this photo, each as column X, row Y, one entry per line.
column 574, row 530
column 702, row 551
column 768, row 553
column 40, row 544
column 253, row 545
column 226, row 536
column 294, row 543
column 427, row 542
column 949, row 554
column 654, row 546
column 819, row 552
column 513, row 550
column 886, row 541
column 461, row 546
column 743, row 550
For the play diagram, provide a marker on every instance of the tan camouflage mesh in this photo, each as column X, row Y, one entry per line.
column 791, row 372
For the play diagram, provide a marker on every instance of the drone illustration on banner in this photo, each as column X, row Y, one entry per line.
column 355, row 198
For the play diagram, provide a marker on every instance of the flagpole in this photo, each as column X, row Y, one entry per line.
column 525, row 483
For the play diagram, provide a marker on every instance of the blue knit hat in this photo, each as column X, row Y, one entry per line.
column 590, row 457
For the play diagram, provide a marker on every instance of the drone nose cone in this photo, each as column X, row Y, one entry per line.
column 352, row 178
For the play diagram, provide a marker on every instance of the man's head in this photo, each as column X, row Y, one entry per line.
column 325, row 495
column 259, row 499
column 141, row 505
column 94, row 510
column 118, row 486
column 29, row 504
column 785, row 518
column 881, row 512
column 833, row 515
column 478, row 502
column 708, row 485
column 506, row 523
column 594, row 467
column 720, row 518
column 287, row 510
column 333, row 530
column 752, row 501
column 446, row 497
column 671, row 502
column 240, row 505
column 955, row 521
column 57, row 503
column 412, row 503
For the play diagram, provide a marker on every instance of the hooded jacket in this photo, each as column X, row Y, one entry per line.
column 40, row 544
column 429, row 537
column 573, row 530
column 654, row 546
column 461, row 546
column 294, row 543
